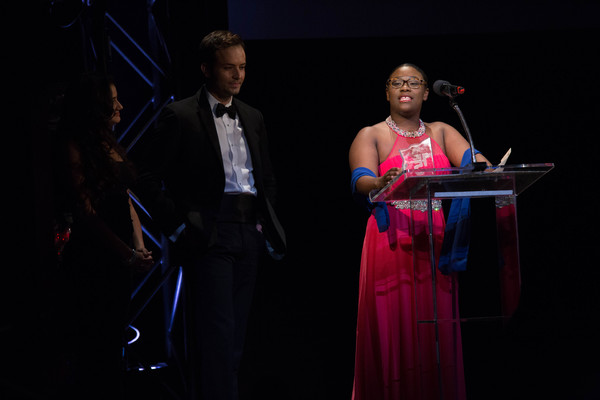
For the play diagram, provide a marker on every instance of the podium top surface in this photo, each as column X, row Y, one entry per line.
column 448, row 183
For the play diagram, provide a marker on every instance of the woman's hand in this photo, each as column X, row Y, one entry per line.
column 388, row 177
column 143, row 259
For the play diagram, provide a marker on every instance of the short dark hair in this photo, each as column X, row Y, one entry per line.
column 412, row 66
column 218, row 40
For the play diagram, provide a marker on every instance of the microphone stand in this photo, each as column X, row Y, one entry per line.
column 477, row 166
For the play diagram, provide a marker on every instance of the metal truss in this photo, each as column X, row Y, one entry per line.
column 163, row 278
column 156, row 102
column 123, row 38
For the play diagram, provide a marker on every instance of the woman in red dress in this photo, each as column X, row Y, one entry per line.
column 397, row 353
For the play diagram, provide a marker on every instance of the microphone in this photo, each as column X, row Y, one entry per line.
column 444, row 88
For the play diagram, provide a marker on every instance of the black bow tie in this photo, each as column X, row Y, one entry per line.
column 221, row 110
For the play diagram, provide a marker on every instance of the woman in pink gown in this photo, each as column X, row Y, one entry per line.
column 396, row 348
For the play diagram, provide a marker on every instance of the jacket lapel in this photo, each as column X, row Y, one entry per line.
column 208, row 123
column 251, row 137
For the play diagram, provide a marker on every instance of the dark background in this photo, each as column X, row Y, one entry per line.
column 317, row 72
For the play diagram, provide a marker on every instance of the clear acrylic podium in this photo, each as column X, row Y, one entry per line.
column 450, row 183
column 503, row 183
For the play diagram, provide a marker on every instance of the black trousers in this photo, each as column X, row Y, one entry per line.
column 221, row 286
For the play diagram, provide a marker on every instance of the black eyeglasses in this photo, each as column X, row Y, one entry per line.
column 412, row 83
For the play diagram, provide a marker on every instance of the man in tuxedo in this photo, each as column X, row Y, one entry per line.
column 207, row 181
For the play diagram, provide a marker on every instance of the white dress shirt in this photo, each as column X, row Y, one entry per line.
column 237, row 162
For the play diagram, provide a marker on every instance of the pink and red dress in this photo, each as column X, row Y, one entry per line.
column 396, row 347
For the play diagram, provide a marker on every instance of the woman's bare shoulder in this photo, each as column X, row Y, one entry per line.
column 373, row 131
column 438, row 125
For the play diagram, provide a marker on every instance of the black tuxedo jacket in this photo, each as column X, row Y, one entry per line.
column 182, row 178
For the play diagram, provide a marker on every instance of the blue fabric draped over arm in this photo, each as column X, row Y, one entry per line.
column 455, row 248
column 381, row 212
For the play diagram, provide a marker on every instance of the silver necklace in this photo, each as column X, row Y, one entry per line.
column 412, row 134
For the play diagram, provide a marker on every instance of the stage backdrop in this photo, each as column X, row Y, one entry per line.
column 317, row 71
column 529, row 91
